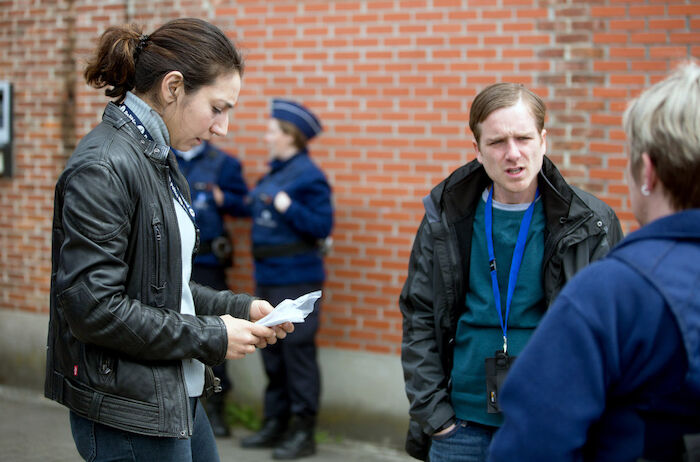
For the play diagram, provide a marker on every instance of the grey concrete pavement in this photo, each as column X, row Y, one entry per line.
column 32, row 428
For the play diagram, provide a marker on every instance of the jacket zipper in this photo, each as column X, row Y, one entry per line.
column 188, row 412
column 549, row 252
column 453, row 251
column 158, row 236
column 105, row 365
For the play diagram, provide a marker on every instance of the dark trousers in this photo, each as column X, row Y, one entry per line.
column 291, row 365
column 214, row 277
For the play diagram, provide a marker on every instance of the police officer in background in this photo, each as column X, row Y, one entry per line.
column 217, row 189
column 292, row 216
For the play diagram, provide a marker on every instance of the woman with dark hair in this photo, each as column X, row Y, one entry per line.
column 292, row 215
column 131, row 338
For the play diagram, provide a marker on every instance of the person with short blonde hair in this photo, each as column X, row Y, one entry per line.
column 665, row 124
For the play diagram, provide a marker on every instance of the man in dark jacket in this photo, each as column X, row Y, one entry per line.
column 500, row 238
column 218, row 189
column 613, row 371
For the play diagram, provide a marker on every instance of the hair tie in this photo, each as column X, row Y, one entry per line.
column 143, row 39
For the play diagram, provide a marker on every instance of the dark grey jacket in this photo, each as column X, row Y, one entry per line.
column 116, row 336
column 579, row 229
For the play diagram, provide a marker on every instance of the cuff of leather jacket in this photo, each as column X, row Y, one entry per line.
column 239, row 306
column 252, row 299
column 221, row 339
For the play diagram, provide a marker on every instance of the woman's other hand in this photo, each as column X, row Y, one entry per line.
column 244, row 336
column 261, row 308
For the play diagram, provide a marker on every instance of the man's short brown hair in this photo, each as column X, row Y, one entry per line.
column 500, row 95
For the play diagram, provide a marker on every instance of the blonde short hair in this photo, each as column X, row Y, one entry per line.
column 664, row 122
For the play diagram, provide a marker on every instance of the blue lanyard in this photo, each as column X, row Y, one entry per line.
column 176, row 192
column 515, row 263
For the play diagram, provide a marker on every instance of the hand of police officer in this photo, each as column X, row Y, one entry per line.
column 259, row 309
column 218, row 195
column 244, row 336
column 282, row 201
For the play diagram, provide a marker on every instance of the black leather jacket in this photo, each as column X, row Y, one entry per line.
column 116, row 336
column 579, row 229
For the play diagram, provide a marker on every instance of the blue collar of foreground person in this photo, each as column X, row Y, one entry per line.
column 298, row 115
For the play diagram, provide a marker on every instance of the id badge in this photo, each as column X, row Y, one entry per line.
column 496, row 370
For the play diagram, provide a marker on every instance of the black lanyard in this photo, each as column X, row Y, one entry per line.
column 175, row 190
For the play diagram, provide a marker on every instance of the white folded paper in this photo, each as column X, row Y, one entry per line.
column 291, row 310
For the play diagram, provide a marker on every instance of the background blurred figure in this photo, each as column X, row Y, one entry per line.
column 466, row 317
column 613, row 371
column 292, row 212
column 217, row 188
column 129, row 335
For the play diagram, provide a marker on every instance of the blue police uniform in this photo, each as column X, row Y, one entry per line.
column 211, row 166
column 204, row 167
column 289, row 263
column 308, row 219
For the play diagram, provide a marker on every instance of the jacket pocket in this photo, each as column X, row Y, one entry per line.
column 452, row 432
column 99, row 366
column 106, row 365
column 158, row 281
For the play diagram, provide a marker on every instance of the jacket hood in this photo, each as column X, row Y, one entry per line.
column 437, row 194
column 474, row 173
column 671, row 264
column 560, row 199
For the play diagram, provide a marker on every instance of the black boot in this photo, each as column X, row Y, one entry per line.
column 299, row 440
column 268, row 436
column 214, row 405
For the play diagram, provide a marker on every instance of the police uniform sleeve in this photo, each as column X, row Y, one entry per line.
column 234, row 188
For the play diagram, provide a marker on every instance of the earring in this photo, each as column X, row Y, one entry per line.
column 645, row 190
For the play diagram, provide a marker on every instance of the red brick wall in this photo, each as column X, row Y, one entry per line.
column 391, row 80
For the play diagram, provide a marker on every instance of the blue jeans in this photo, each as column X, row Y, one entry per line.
column 99, row 443
column 467, row 442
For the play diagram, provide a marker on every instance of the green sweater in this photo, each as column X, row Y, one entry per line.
column 479, row 333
